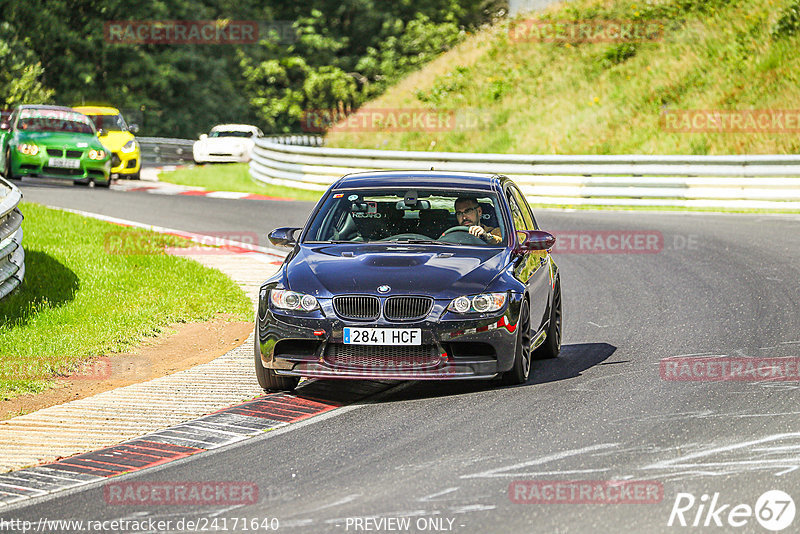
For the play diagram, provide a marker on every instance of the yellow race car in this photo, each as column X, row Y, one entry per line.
column 117, row 136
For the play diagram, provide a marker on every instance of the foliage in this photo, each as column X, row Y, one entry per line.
column 337, row 54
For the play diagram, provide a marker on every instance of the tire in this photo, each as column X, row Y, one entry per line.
column 104, row 185
column 267, row 379
column 137, row 176
column 522, row 350
column 80, row 182
column 552, row 343
column 7, row 173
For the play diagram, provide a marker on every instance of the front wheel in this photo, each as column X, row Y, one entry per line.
column 267, row 379
column 8, row 174
column 522, row 354
column 552, row 343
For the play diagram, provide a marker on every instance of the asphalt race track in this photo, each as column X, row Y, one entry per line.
column 443, row 456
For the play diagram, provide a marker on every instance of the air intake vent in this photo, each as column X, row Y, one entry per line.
column 381, row 357
column 359, row 308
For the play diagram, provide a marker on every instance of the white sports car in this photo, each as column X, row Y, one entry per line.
column 226, row 143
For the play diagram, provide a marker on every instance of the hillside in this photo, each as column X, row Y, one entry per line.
column 509, row 92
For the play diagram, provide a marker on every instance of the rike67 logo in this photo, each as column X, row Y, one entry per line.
column 774, row 510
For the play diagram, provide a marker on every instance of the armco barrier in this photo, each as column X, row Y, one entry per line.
column 12, row 257
column 170, row 151
column 165, row 151
column 744, row 182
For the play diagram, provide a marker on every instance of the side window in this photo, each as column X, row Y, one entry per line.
column 530, row 221
column 516, row 213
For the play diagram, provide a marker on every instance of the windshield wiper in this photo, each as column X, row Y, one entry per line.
column 419, row 242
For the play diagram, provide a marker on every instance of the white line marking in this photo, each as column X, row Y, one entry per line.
column 432, row 496
column 499, row 472
column 197, row 238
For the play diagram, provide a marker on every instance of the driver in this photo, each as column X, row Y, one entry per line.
column 468, row 213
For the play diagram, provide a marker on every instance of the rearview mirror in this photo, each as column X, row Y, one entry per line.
column 529, row 240
column 133, row 128
column 283, row 237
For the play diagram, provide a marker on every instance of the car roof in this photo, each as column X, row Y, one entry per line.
column 97, row 110
column 420, row 179
column 234, row 127
column 44, row 106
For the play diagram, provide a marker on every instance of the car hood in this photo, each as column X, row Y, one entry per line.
column 115, row 140
column 59, row 139
column 439, row 271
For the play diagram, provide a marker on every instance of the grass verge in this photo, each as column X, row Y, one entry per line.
column 83, row 296
column 232, row 177
column 509, row 93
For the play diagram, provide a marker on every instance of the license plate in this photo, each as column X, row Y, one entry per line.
column 382, row 336
column 65, row 163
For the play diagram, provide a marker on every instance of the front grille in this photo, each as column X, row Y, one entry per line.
column 115, row 161
column 407, row 308
column 55, row 152
column 381, row 357
column 360, row 308
column 74, row 153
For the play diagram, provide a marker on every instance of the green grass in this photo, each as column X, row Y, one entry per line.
column 82, row 298
column 607, row 98
column 232, row 177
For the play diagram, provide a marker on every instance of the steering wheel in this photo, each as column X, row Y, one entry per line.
column 456, row 229
column 461, row 235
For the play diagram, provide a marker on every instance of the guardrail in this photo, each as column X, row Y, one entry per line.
column 743, row 182
column 171, row 151
column 165, row 150
column 12, row 256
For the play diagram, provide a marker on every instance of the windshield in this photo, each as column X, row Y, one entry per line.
column 109, row 123
column 51, row 120
column 230, row 133
column 413, row 216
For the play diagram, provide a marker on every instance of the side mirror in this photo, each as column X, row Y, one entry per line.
column 530, row 240
column 203, row 137
column 133, row 128
column 5, row 126
column 101, row 132
column 283, row 237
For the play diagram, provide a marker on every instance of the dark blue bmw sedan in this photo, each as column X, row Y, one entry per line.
column 411, row 276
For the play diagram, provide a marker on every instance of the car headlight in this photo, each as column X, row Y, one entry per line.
column 485, row 302
column 28, row 149
column 291, row 300
column 129, row 147
column 97, row 154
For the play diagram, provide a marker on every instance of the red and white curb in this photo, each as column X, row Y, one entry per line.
column 221, row 428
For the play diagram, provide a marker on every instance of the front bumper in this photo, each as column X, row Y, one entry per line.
column 37, row 167
column 479, row 347
column 125, row 164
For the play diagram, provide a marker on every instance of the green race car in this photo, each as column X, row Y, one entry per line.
column 53, row 142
